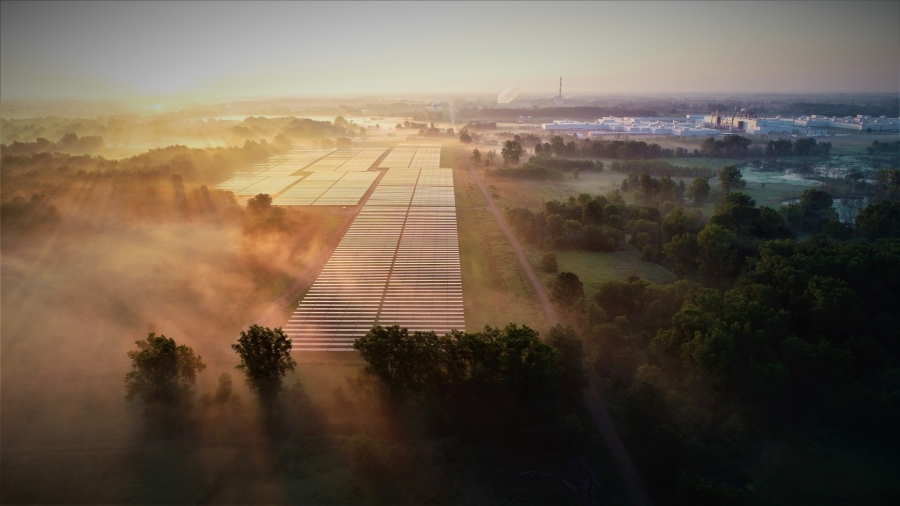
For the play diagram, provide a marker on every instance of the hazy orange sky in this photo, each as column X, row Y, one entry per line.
column 91, row 50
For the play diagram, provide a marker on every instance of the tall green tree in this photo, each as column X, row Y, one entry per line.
column 162, row 371
column 698, row 191
column 511, row 152
column 878, row 220
column 730, row 178
column 567, row 289
column 265, row 359
column 718, row 249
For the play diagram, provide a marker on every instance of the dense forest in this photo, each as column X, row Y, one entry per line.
column 762, row 331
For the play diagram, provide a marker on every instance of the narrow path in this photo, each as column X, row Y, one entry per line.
column 549, row 310
column 630, row 477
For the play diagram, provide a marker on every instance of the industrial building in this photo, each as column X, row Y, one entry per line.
column 804, row 125
column 714, row 124
column 612, row 124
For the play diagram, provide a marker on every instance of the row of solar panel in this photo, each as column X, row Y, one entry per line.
column 397, row 264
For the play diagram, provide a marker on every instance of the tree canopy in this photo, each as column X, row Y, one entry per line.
column 162, row 371
column 265, row 359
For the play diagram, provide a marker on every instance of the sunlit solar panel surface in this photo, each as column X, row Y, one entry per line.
column 271, row 185
column 398, row 264
column 297, row 178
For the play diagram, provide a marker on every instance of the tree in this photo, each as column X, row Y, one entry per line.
column 567, row 289
column 817, row 207
column 718, row 250
column 491, row 154
column 571, row 358
column 558, row 145
column 464, row 136
column 265, row 359
column 730, row 178
column 404, row 361
column 260, row 204
column 511, row 152
column 162, row 372
column 698, row 191
column 548, row 262
column 682, row 250
column 476, row 155
column 878, row 220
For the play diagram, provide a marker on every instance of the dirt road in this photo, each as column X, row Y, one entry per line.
column 631, row 479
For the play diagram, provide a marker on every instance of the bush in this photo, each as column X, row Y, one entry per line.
column 548, row 262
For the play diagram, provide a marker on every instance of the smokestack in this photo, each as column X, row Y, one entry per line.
column 560, row 87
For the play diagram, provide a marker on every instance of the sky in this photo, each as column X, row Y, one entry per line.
column 114, row 50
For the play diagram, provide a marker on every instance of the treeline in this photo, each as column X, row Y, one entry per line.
column 20, row 217
column 69, row 143
column 593, row 223
column 884, row 148
column 305, row 128
column 659, row 168
column 729, row 146
column 800, row 147
column 202, row 165
column 546, row 168
column 502, row 387
column 162, row 185
column 887, row 107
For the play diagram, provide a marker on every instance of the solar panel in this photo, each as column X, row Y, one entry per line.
column 398, row 264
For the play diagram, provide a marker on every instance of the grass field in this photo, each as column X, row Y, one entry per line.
column 593, row 268
column 495, row 290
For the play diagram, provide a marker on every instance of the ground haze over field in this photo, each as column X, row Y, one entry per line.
column 271, row 186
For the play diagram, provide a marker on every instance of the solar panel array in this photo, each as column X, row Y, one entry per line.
column 413, row 155
column 279, row 165
column 282, row 178
column 398, row 264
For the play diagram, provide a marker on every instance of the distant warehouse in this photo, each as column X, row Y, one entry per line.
column 612, row 124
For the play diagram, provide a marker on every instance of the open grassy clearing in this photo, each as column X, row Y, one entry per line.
column 509, row 193
column 594, row 268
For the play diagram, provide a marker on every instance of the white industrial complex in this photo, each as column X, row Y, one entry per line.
column 713, row 124
column 611, row 124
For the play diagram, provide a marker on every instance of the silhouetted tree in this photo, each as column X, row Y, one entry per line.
column 567, row 289
column 265, row 359
column 511, row 152
column 260, row 204
column 162, row 371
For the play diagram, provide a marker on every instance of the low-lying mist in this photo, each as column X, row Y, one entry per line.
column 96, row 254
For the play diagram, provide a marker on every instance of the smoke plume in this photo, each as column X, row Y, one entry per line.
column 507, row 95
